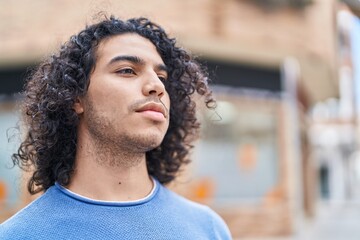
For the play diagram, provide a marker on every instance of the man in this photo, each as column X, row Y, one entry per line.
column 110, row 119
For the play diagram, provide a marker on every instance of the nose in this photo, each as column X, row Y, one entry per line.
column 153, row 86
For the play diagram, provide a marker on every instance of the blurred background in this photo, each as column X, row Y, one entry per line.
column 279, row 158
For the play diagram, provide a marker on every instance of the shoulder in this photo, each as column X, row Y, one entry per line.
column 220, row 229
column 198, row 213
column 27, row 219
column 173, row 199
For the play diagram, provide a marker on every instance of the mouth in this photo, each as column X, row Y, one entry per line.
column 154, row 109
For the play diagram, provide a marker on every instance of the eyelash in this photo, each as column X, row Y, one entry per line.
column 126, row 71
column 163, row 79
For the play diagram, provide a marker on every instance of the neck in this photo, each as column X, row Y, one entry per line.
column 104, row 174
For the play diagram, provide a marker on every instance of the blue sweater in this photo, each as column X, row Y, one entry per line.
column 62, row 214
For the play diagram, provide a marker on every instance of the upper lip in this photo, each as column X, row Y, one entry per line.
column 152, row 106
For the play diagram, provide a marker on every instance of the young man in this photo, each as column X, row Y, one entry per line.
column 110, row 119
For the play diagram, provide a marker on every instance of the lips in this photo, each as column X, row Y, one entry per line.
column 152, row 106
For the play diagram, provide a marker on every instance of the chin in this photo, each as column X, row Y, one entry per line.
column 147, row 142
column 155, row 142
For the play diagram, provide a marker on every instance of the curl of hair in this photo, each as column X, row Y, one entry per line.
column 49, row 147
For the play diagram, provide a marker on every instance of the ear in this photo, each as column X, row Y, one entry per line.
column 78, row 106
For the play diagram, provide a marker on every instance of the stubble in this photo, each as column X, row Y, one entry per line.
column 112, row 147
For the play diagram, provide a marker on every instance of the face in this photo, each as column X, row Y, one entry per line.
column 126, row 104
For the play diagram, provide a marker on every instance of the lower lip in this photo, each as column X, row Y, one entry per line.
column 153, row 115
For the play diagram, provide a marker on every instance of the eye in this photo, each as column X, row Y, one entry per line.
column 126, row 71
column 162, row 78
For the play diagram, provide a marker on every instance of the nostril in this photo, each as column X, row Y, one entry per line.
column 154, row 92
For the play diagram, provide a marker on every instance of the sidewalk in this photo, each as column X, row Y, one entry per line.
column 333, row 222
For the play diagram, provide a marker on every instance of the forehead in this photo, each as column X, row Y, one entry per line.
column 130, row 44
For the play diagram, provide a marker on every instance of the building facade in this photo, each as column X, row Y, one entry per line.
column 269, row 63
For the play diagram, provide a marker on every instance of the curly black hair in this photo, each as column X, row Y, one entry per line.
column 50, row 92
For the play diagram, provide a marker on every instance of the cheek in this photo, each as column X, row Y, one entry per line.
column 166, row 100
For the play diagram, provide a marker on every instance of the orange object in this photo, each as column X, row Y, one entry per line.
column 203, row 190
column 3, row 191
column 247, row 157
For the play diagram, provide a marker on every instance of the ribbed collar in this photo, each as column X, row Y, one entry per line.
column 79, row 197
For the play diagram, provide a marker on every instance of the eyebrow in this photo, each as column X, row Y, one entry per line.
column 136, row 60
